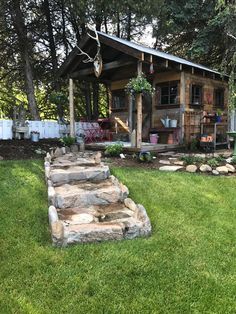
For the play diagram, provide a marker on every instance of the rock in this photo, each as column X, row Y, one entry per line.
column 63, row 149
column 79, row 173
column 222, row 170
column 173, row 159
column 167, row 154
column 93, row 232
column 67, row 149
column 57, row 230
column 1, row 158
column 191, row 168
column 179, row 163
column 215, row 172
column 200, row 155
column 79, row 219
column 170, row 168
column 230, row 168
column 58, row 152
column 130, row 204
column 164, row 162
column 205, row 168
column 227, row 154
column 52, row 215
column 74, row 148
column 88, row 193
column 97, row 158
column 229, row 160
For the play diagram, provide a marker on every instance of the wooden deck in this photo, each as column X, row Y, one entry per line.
column 128, row 149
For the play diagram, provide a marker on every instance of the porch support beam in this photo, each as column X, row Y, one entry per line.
column 183, row 103
column 107, row 66
column 130, row 121
column 71, row 107
column 139, row 111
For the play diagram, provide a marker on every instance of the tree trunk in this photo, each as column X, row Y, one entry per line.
column 21, row 31
column 128, row 28
column 64, row 28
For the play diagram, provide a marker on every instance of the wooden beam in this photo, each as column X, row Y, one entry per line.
column 192, row 70
column 107, row 66
column 71, row 107
column 130, row 117
column 139, row 111
column 180, row 66
column 167, row 63
column 183, row 103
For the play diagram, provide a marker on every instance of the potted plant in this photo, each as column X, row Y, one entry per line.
column 218, row 115
column 34, row 135
column 139, row 85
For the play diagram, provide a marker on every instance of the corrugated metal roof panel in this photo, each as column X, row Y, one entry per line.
column 158, row 53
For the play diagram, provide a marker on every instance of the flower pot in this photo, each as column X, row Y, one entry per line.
column 153, row 138
column 34, row 137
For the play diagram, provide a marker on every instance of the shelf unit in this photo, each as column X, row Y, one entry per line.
column 215, row 126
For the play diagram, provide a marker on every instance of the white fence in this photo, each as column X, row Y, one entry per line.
column 46, row 129
column 233, row 121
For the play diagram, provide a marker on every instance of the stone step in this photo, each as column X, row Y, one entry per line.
column 87, row 193
column 61, row 176
column 80, row 159
column 124, row 220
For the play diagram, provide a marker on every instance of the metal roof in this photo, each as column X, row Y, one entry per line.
column 158, row 53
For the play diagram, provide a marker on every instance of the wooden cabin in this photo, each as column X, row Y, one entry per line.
column 185, row 92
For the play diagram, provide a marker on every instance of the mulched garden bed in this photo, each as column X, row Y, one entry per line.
column 25, row 149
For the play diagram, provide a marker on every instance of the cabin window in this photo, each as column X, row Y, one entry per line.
column 196, row 98
column 168, row 93
column 118, row 99
column 219, row 97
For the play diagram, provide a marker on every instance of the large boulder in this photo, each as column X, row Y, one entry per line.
column 222, row 170
column 205, row 168
column 191, row 168
column 170, row 168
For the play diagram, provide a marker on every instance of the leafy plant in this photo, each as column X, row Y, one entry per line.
column 191, row 160
column 213, row 162
column 114, row 150
column 145, row 157
column 233, row 161
column 194, row 144
column 139, row 84
column 68, row 140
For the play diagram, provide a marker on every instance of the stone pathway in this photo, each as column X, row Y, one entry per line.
column 87, row 204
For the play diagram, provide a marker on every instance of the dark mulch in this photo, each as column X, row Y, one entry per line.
column 25, row 149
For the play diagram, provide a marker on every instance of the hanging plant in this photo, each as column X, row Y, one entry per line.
column 139, row 85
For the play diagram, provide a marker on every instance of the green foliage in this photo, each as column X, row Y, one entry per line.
column 194, row 144
column 58, row 98
column 139, row 84
column 233, row 161
column 114, row 150
column 145, row 157
column 213, row 162
column 191, row 160
column 68, row 140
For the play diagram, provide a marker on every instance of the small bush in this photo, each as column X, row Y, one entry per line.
column 114, row 150
column 233, row 161
column 213, row 162
column 68, row 140
column 145, row 157
column 191, row 160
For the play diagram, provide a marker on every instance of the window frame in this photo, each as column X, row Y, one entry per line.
column 119, row 93
column 168, row 84
column 192, row 95
column 222, row 101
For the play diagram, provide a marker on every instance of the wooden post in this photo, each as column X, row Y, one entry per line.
column 130, row 118
column 71, row 105
column 183, row 104
column 139, row 111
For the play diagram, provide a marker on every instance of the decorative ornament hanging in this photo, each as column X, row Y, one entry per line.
column 97, row 60
column 151, row 70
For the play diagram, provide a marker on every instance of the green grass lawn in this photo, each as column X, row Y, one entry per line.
column 188, row 265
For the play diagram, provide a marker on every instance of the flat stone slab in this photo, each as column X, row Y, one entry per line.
column 99, row 223
column 88, row 193
column 78, row 173
column 170, row 168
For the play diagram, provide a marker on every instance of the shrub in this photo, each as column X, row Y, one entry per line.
column 233, row 161
column 68, row 140
column 114, row 150
column 145, row 157
column 190, row 160
column 213, row 162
